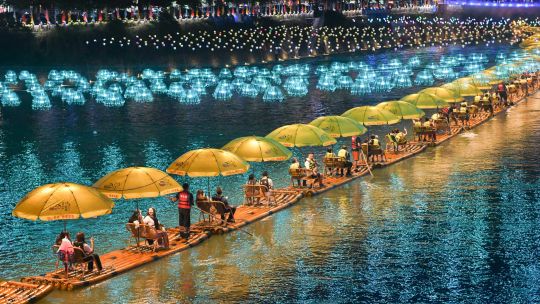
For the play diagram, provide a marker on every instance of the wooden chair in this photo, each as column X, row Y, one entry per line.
column 150, row 234
column 258, row 193
column 76, row 261
column 135, row 232
column 299, row 175
column 370, row 150
column 331, row 164
column 442, row 125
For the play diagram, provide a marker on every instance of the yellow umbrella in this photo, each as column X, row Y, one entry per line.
column 463, row 88
column 258, row 149
column 63, row 201
column 402, row 109
column 425, row 101
column 301, row 135
column 481, row 81
column 371, row 116
column 445, row 94
column 137, row 182
column 490, row 74
column 339, row 126
column 208, row 162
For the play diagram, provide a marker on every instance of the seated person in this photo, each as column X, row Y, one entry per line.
column 374, row 149
column 89, row 256
column 253, row 191
column 295, row 164
column 345, row 156
column 200, row 196
column 135, row 217
column 151, row 220
column 229, row 209
column 268, row 183
column 329, row 153
column 401, row 137
column 313, row 169
column 429, row 127
column 65, row 250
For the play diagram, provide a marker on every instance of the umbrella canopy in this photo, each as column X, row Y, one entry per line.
column 425, row 101
column 339, row 126
column 301, row 135
column 445, row 94
column 463, row 87
column 491, row 76
column 371, row 116
column 258, row 149
column 63, row 201
column 137, row 182
column 402, row 109
column 208, row 162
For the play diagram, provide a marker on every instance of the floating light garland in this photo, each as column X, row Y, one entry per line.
column 273, row 94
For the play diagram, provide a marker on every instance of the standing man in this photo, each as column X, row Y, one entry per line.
column 185, row 201
column 345, row 156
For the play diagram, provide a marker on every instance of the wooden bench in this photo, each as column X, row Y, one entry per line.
column 257, row 193
column 300, row 175
column 331, row 164
column 145, row 232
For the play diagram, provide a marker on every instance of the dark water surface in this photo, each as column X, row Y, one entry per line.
column 457, row 223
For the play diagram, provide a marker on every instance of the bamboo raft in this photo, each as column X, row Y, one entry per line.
column 123, row 260
column 17, row 292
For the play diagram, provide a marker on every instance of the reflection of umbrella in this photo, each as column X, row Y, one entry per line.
column 402, row 109
column 462, row 87
column 258, row 149
column 371, row 116
column 339, row 126
column 425, row 101
column 445, row 94
column 301, row 135
column 63, row 201
column 137, row 182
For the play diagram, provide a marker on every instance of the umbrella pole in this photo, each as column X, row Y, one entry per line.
column 208, row 185
column 65, row 224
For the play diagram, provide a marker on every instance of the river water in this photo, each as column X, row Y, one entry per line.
column 458, row 222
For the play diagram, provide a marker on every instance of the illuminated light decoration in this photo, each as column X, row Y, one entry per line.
column 148, row 74
column 260, row 83
column 194, row 73
column 116, row 87
column 339, row 67
column 49, row 85
column 55, row 76
column 414, row 62
column 344, row 82
column 104, row 75
column 208, row 77
column 111, row 99
column 395, row 64
column 273, row 94
column 352, row 66
column 432, row 66
column 72, row 97
column 501, row 72
column 57, row 91
column 501, row 58
column 478, row 57
column 402, row 81
column 83, row 85
column 278, row 68
column 223, row 91
column 10, row 77
column 296, row 86
column 362, row 66
column 326, row 83
column 41, row 101
column 445, row 73
column 360, row 88
column 481, row 80
column 225, row 74
column 175, row 75
column 23, row 75
column 176, row 90
column 241, row 72
column 10, row 99
column 191, row 97
column 237, row 84
column 382, row 84
column 474, row 67
column 264, row 72
column 124, row 77
column 424, row 77
column 199, row 87
column 275, row 78
column 157, row 86
column 321, row 69
column 248, row 90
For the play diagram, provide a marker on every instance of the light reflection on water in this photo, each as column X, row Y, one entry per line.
column 458, row 223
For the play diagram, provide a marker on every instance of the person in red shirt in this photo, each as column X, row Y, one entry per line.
column 185, row 201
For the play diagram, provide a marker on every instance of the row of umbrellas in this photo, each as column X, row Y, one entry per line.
column 64, row 201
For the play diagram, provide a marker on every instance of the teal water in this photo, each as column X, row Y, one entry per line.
column 458, row 223
column 362, row 234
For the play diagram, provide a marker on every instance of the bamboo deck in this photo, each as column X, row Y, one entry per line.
column 16, row 292
column 123, row 260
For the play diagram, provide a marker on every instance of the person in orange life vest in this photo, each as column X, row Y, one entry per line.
column 185, row 201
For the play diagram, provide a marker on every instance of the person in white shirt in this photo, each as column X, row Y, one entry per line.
column 151, row 220
column 268, row 183
column 313, row 169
